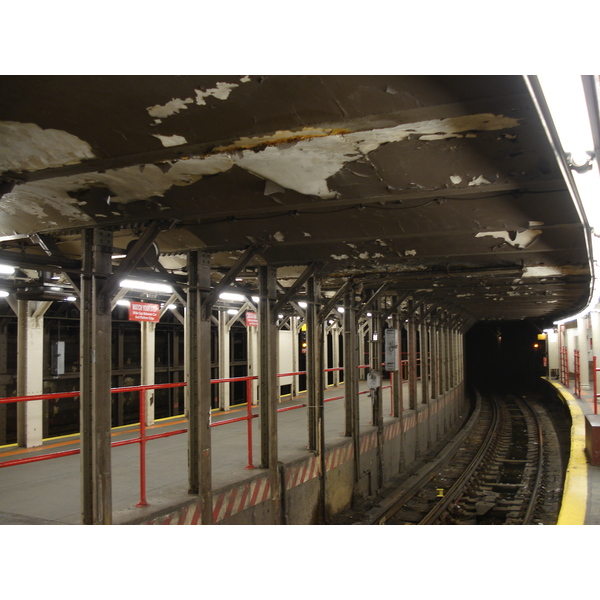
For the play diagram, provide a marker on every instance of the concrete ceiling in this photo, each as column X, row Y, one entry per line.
column 442, row 186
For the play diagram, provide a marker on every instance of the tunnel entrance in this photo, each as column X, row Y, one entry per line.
column 499, row 353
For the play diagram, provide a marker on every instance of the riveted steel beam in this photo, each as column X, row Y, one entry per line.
column 268, row 388
column 198, row 350
column 95, row 378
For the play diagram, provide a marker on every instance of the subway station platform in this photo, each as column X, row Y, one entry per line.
column 48, row 492
column 581, row 496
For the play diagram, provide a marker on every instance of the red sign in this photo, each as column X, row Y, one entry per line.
column 251, row 319
column 144, row 311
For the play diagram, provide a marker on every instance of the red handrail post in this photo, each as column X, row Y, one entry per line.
column 595, row 388
column 249, row 407
column 142, row 501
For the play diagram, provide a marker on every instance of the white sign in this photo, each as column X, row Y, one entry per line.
column 392, row 352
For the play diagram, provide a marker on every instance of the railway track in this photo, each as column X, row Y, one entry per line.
column 499, row 470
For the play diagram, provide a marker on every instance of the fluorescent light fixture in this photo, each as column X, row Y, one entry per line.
column 146, row 286
column 340, row 309
column 70, row 299
column 232, row 311
column 123, row 302
column 302, row 304
column 565, row 97
column 114, row 256
column 6, row 270
column 369, row 314
column 255, row 299
column 172, row 306
column 232, row 297
column 3, row 294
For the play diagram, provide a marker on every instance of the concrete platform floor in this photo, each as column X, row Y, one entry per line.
column 49, row 491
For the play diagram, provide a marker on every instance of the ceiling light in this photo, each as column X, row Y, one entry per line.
column 232, row 297
column 6, row 270
column 146, row 286
column 70, row 299
column 232, row 311
column 123, row 302
column 3, row 294
column 302, row 304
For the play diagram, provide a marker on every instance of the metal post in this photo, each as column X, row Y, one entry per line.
column 376, row 395
column 224, row 360
column 198, row 320
column 95, row 378
column 314, row 365
column 434, row 350
column 424, row 343
column 412, row 361
column 397, row 403
column 351, row 381
column 268, row 387
column 148, row 338
column 142, row 401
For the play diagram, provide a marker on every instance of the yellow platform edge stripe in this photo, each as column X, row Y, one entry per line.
column 574, row 503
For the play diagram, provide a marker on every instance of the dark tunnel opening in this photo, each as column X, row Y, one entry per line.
column 505, row 354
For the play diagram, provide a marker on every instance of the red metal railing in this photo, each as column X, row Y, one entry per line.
column 577, row 373
column 143, row 437
column 595, row 387
column 564, row 366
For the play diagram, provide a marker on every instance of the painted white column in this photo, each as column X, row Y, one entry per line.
column 147, row 375
column 30, row 371
column 253, row 359
column 224, row 356
column 553, row 352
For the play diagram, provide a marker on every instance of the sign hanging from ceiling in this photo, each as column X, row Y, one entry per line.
column 144, row 311
column 251, row 319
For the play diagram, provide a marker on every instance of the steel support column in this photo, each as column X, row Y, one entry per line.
column 375, row 363
column 351, row 381
column 435, row 359
column 314, row 366
column 95, row 378
column 198, row 321
column 268, row 387
column 424, row 348
column 397, row 385
column 316, row 383
column 412, row 361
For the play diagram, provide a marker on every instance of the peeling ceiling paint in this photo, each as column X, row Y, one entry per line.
column 26, row 146
column 517, row 239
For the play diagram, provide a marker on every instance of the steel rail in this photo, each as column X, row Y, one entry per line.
column 462, row 481
column 540, row 468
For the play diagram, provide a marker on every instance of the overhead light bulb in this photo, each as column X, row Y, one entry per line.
column 232, row 297
column 146, row 286
column 6, row 270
